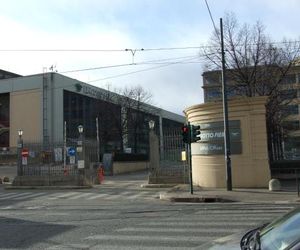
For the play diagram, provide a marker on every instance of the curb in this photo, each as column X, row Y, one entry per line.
column 46, row 187
column 180, row 197
column 195, row 199
column 158, row 185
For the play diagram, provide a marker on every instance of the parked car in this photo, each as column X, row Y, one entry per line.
column 281, row 234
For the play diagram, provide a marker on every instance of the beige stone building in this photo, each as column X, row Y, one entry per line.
column 290, row 87
column 250, row 165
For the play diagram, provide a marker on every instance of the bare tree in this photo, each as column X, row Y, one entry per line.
column 256, row 67
column 134, row 108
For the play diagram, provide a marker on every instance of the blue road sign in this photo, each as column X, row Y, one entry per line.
column 71, row 151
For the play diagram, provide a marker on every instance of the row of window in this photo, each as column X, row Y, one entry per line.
column 291, row 125
column 216, row 79
column 216, row 93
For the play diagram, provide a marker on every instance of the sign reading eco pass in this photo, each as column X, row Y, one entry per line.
column 212, row 138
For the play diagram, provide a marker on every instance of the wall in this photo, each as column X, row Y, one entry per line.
column 251, row 167
column 25, row 114
column 127, row 167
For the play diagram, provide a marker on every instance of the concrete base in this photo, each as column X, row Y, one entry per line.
column 50, row 181
column 167, row 180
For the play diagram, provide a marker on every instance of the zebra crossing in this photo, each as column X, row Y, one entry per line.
column 186, row 231
column 79, row 195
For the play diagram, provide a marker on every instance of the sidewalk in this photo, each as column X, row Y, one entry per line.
column 181, row 193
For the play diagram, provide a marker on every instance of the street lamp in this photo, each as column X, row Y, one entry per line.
column 19, row 152
column 151, row 124
column 80, row 129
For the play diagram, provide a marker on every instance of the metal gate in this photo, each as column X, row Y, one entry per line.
column 171, row 168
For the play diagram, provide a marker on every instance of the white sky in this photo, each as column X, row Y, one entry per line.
column 132, row 24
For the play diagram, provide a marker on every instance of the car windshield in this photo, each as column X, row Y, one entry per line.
column 282, row 232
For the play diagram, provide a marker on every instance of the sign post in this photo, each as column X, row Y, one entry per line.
column 25, row 154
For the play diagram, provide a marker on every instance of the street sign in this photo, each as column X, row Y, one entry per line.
column 24, row 160
column 183, row 155
column 80, row 164
column 71, row 151
column 72, row 159
column 25, row 152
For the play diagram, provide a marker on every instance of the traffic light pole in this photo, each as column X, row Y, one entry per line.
column 190, row 160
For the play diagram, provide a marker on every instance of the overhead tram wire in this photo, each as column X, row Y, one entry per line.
column 212, row 20
column 101, row 50
column 157, row 61
column 138, row 71
column 124, row 50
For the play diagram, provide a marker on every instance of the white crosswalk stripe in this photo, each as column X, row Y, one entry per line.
column 185, row 232
column 130, row 195
column 79, row 196
column 98, row 196
column 14, row 195
column 29, row 196
column 62, row 196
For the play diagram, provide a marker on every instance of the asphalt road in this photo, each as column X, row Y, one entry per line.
column 119, row 215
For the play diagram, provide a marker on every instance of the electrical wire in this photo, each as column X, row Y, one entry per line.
column 126, row 50
column 211, row 18
column 137, row 71
column 157, row 61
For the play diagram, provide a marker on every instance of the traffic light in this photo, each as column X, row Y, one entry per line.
column 195, row 133
column 185, row 131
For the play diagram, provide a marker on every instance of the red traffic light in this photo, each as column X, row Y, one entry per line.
column 185, row 129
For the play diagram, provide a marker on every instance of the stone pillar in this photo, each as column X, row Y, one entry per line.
column 247, row 125
column 161, row 137
column 154, row 152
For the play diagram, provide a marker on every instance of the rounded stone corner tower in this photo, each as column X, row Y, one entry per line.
column 248, row 136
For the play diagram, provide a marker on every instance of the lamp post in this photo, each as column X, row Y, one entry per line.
column 151, row 125
column 19, row 152
column 80, row 153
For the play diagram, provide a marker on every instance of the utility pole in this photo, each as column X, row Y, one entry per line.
column 225, row 115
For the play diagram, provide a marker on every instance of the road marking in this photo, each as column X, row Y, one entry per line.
column 97, row 196
column 29, row 196
column 114, row 197
column 60, row 196
column 246, row 211
column 108, row 246
column 222, row 218
column 175, row 238
column 204, row 223
column 79, row 196
column 14, row 195
column 177, row 230
column 7, row 194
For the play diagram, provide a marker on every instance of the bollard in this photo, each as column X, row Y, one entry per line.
column 274, row 185
column 101, row 174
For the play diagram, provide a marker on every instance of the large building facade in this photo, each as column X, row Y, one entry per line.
column 290, row 90
column 48, row 106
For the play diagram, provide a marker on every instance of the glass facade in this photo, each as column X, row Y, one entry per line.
column 83, row 110
column 116, row 132
column 289, row 79
column 291, row 125
column 290, row 109
column 4, row 120
column 213, row 94
column 288, row 94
